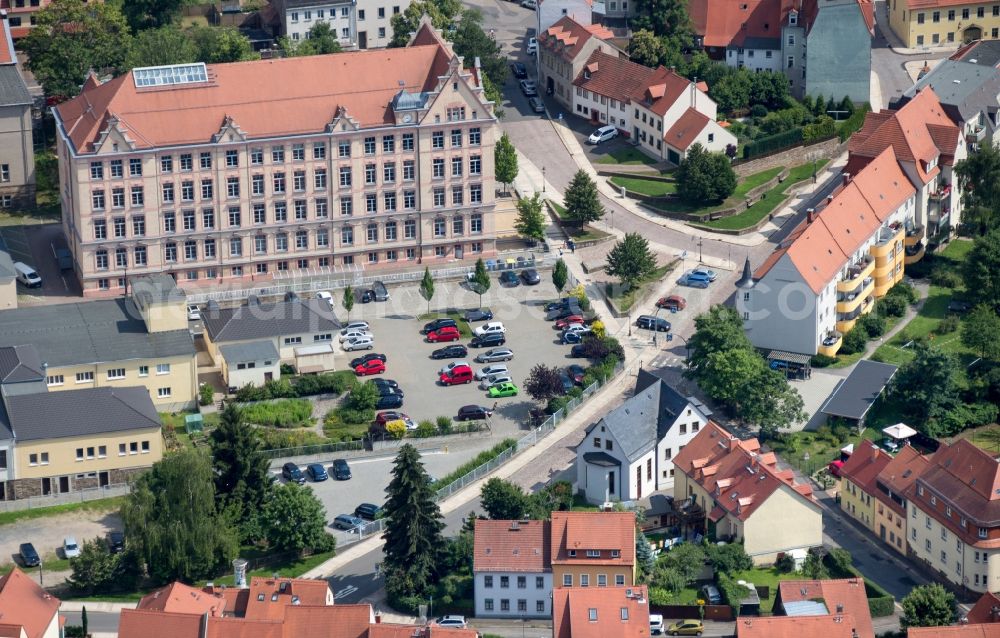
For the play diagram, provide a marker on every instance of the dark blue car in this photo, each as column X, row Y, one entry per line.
column 316, row 472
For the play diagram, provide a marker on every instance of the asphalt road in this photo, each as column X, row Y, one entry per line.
column 97, row 622
column 887, row 64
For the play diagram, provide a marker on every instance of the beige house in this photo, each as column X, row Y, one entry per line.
column 563, row 51
column 232, row 173
column 17, row 155
column 592, row 549
column 741, row 495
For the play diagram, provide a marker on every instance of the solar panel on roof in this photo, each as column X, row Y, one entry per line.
column 169, row 75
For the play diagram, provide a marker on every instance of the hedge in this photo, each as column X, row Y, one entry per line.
column 882, row 606
column 772, row 143
column 483, row 457
column 854, row 123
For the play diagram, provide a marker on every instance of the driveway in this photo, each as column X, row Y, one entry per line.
column 32, row 244
column 47, row 534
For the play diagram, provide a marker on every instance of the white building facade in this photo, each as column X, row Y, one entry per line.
column 359, row 24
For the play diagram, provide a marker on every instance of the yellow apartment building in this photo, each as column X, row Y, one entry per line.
column 857, row 482
column 943, row 23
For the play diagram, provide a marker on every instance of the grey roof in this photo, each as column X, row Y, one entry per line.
column 160, row 288
column 6, row 263
column 854, row 396
column 983, row 52
column 965, row 87
column 90, row 332
column 759, row 42
column 5, row 432
column 805, row 608
column 13, row 90
column 646, row 416
column 249, row 351
column 19, row 364
column 55, row 415
column 267, row 321
column 601, row 458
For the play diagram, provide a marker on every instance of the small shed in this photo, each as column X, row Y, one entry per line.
column 854, row 396
column 315, row 358
column 249, row 362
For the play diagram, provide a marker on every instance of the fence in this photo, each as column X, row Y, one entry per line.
column 320, row 448
column 66, row 498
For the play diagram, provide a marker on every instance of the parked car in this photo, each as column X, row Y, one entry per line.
column 194, row 312
column 448, row 333
column 370, row 367
column 509, row 279
column 531, row 48
column 673, row 302
column 567, row 383
column 341, row 470
column 317, row 472
column 367, row 511
column 355, row 362
column 358, row 343
column 29, row 557
column 355, row 325
column 458, row 374
column 958, row 307
column 348, row 522
column 367, row 296
column 451, row 366
column 566, row 322
column 324, row 295
column 495, row 379
column 116, row 542
column 291, row 472
column 686, row 628
column 531, row 277
column 576, row 373
column 480, row 314
column 578, row 351
column 577, row 327
column 27, row 275
column 574, row 336
column 529, row 4
column 711, row 275
column 602, row 134
column 562, row 303
column 450, row 352
column 389, row 401
column 496, row 368
column 488, row 340
column 649, row 322
column 386, row 386
column 459, row 621
column 529, row 88
column 536, row 104
column 693, row 280
column 655, row 624
column 384, row 417
column 496, row 354
column 566, row 311
column 356, row 334
column 437, row 324
column 473, row 413
column 711, row 594
column 518, row 70
column 490, row 327
column 505, row 389
column 70, row 547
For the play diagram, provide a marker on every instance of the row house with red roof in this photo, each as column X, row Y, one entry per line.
column 622, row 612
column 832, row 608
column 27, row 610
column 737, row 492
column 251, row 171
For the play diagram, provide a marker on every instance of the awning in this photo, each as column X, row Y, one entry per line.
column 899, row 431
column 790, row 357
column 602, row 459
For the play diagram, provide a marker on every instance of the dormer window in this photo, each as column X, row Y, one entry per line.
column 586, row 74
column 793, row 18
column 572, row 553
column 593, row 553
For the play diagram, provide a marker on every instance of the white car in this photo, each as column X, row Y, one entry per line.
column 451, row 366
column 359, row 343
column 451, row 621
column 355, row 334
column 194, row 312
column 576, row 327
column 490, row 370
column 655, row 624
column 602, row 134
column 70, row 548
column 495, row 379
column 355, row 325
column 492, row 327
column 532, row 46
column 325, row 296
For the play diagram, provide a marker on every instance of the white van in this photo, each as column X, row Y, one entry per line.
column 27, row 275
column 602, row 134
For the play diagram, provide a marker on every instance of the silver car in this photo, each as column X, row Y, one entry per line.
column 496, row 354
column 70, row 548
column 355, row 334
column 495, row 379
column 359, row 343
column 497, row 368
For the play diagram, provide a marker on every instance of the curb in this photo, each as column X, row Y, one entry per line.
column 95, row 606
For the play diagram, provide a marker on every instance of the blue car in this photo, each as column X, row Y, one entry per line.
column 316, row 472
column 695, row 280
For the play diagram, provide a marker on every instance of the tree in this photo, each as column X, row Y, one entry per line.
column 725, row 373
column 295, row 520
column 152, row 14
column 928, row 606
column 543, row 383
column 159, row 47
column 173, row 522
column 731, row 91
column 221, row 44
column 646, row 48
column 581, row 200
column 729, row 558
column 813, row 567
column 668, row 578
column 363, row 396
column 687, row 559
column 470, row 41
column 241, row 469
column 480, row 282
column 505, row 159
column 665, row 18
column 717, row 330
column 83, row 620
column 981, row 332
column 705, row 177
column 530, row 222
column 413, row 527
column 348, row 301
column 71, row 38
column 504, row 500
column 981, row 269
column 927, row 387
column 770, row 403
column 96, row 570
column 644, row 558
column 631, row 260
column 322, row 40
column 441, row 12
column 560, row 275
column 979, row 181
column 427, row 287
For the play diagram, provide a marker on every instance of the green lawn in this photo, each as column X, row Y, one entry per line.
column 96, row 506
column 770, row 578
column 751, row 182
column 742, row 188
column 584, row 233
column 645, row 186
column 626, row 155
column 626, row 301
column 765, row 206
column 821, row 445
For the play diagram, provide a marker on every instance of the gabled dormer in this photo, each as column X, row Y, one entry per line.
column 342, row 122
column 113, row 137
column 229, row 132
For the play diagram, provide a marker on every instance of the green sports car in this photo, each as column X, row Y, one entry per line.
column 503, row 390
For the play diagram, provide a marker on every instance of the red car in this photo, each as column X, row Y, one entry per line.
column 448, row 333
column 373, row 366
column 562, row 324
column 673, row 302
column 458, row 374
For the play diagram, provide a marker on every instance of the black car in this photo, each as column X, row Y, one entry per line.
column 578, row 351
column 562, row 303
column 567, row 382
column 368, row 296
column 291, row 472
column 531, row 277
column 479, row 314
column 366, row 358
column 116, row 542
column 519, row 70
column 437, row 324
column 957, row 306
column 388, row 390
column 566, row 311
column 29, row 556
column 389, row 401
column 649, row 322
column 509, row 278
column 381, row 383
column 367, row 511
column 473, row 413
column 576, row 373
column 450, row 352
column 316, row 472
column 341, row 470
column 488, row 340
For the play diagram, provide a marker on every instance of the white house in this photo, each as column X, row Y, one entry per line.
column 512, row 570
column 628, row 454
column 359, row 24
column 551, row 11
column 250, row 362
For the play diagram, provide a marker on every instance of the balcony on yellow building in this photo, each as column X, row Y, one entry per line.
column 831, row 343
column 913, row 254
column 914, row 235
column 848, row 302
column 846, row 320
column 856, row 275
column 884, row 248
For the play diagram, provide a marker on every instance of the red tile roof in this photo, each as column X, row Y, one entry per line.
column 723, row 23
column 899, row 475
column 7, row 53
column 567, row 36
column 24, row 603
column 986, row 610
column 511, row 546
column 269, row 597
column 686, row 129
column 263, row 98
column 184, row 599
column 614, row 76
column 142, row 623
column 336, row 621
column 726, row 466
column 864, row 464
column 340, row 621
column 384, row 630
column 571, row 612
column 957, row 631
column 603, row 531
column 842, row 626
column 841, row 596
column 244, row 628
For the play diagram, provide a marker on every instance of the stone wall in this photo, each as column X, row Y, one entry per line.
column 827, row 149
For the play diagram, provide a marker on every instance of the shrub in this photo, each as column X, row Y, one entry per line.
column 822, row 361
column 904, row 290
column 948, row 325
column 206, row 393
column 758, row 110
column 396, row 428
column 555, row 404
column 873, row 324
column 284, row 413
column 882, row 606
column 785, row 564
column 581, row 296
column 331, row 383
column 855, row 340
column 946, row 277
column 483, row 457
column 891, row 306
column 444, row 424
column 597, row 327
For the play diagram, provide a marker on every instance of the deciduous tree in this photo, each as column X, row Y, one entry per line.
column 157, row 47
column 981, row 269
column 221, row 44
column 503, row 500
column 427, row 287
column 928, row 606
column 927, row 387
column 530, row 222
column 152, row 14
column 631, row 260
column 705, row 177
column 481, row 281
column 981, row 332
column 543, row 383
column 979, row 181
column 295, row 520
column 582, row 202
column 687, row 559
column 322, row 40
column 348, row 301
column 505, row 161
column 96, row 570
column 646, row 48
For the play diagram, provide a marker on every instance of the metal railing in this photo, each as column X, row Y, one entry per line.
column 319, row 448
column 65, row 498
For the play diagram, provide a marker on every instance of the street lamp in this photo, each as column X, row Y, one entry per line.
column 700, row 242
column 805, row 463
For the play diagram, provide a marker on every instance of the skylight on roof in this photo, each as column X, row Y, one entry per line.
column 169, row 75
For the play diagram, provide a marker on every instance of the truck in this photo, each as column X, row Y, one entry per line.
column 63, row 257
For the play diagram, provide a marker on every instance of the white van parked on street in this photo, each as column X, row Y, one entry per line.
column 27, row 275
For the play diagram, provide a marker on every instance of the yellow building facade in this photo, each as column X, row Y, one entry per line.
column 943, row 24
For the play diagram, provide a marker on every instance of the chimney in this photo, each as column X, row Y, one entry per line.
column 829, row 199
column 847, row 178
column 694, row 91
column 810, row 215
column 514, row 526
